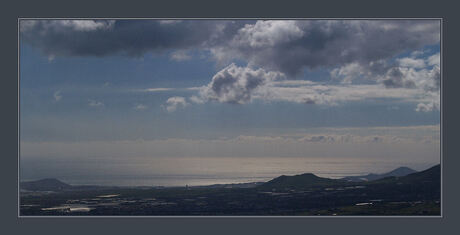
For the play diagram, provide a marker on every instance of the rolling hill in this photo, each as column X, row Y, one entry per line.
column 299, row 181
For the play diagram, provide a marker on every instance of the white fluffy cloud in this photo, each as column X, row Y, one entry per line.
column 406, row 72
column 434, row 60
column 240, row 85
column 420, row 74
column 427, row 107
column 175, row 102
column 348, row 72
column 235, row 84
column 264, row 34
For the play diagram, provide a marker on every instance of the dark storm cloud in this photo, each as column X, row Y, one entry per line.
column 290, row 46
column 279, row 45
column 125, row 37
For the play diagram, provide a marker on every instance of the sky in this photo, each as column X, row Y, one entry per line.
column 113, row 89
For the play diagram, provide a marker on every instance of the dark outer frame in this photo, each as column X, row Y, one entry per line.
column 12, row 10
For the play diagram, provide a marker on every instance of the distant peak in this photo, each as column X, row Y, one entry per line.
column 49, row 179
column 309, row 175
column 48, row 184
column 398, row 172
column 403, row 168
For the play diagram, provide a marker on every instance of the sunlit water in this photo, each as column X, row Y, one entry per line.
column 198, row 171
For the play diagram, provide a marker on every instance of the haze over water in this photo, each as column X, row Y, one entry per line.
column 201, row 171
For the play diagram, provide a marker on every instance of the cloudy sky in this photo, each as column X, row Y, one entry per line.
column 230, row 88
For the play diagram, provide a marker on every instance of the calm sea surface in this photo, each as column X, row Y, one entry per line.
column 197, row 171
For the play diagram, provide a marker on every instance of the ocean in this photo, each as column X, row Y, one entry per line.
column 195, row 171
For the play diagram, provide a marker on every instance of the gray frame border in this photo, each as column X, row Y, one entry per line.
column 13, row 9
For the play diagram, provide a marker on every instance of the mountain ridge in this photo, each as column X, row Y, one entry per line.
column 304, row 180
column 398, row 172
column 308, row 180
